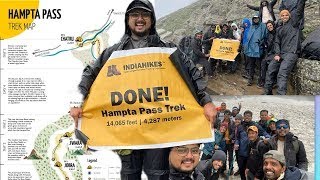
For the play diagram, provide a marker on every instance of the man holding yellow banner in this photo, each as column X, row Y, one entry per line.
column 143, row 94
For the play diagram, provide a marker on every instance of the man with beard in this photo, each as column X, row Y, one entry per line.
column 293, row 7
column 140, row 32
column 289, row 145
column 183, row 161
column 287, row 46
column 265, row 10
column 274, row 168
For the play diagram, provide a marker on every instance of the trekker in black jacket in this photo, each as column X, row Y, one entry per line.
column 210, row 168
column 292, row 148
column 287, row 47
column 256, row 150
column 183, row 161
column 140, row 32
column 199, row 56
column 269, row 52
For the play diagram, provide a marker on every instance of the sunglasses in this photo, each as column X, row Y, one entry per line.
column 285, row 126
column 136, row 15
column 183, row 151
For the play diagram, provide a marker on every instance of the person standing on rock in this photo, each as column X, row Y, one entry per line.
column 265, row 10
column 244, row 41
column 254, row 48
column 226, row 33
column 287, row 46
column 289, row 145
column 140, row 32
column 207, row 43
column 199, row 56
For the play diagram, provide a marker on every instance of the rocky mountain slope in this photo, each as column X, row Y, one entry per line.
column 204, row 12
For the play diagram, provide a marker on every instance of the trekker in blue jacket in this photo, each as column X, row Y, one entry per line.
column 254, row 47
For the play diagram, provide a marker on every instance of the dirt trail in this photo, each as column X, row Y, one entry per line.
column 235, row 84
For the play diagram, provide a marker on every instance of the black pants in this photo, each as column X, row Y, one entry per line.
column 264, row 67
column 283, row 67
column 213, row 64
column 253, row 62
column 206, row 65
column 242, row 163
column 154, row 162
column 246, row 64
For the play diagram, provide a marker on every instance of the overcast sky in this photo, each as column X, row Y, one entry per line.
column 165, row 7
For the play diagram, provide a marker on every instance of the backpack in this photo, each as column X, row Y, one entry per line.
column 186, row 47
column 311, row 51
column 311, row 46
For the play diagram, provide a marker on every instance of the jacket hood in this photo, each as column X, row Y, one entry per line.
column 262, row 1
column 256, row 16
column 246, row 20
column 234, row 24
column 148, row 5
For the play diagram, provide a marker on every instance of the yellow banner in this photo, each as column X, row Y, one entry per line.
column 140, row 101
column 224, row 49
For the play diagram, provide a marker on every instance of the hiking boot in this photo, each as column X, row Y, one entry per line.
column 114, row 70
column 249, row 82
column 260, row 85
column 246, row 76
column 267, row 92
column 236, row 173
column 109, row 73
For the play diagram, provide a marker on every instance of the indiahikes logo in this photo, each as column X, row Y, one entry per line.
column 113, row 71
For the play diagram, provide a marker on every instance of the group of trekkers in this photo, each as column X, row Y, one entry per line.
column 272, row 45
column 262, row 149
column 246, row 141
